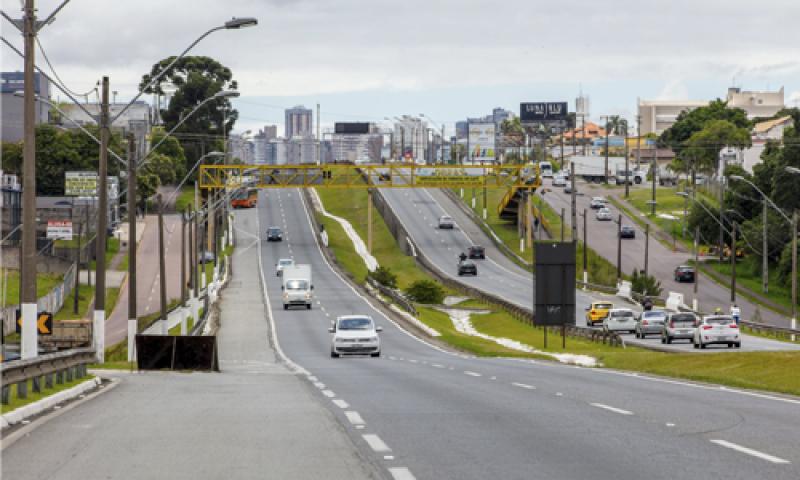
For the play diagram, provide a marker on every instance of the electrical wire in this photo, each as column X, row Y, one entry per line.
column 55, row 74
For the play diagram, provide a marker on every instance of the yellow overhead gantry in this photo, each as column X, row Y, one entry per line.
column 346, row 176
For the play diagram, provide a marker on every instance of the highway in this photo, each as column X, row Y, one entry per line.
column 419, row 210
column 434, row 414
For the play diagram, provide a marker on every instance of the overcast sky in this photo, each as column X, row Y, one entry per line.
column 366, row 60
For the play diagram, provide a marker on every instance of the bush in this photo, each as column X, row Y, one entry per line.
column 425, row 291
column 384, row 276
column 645, row 284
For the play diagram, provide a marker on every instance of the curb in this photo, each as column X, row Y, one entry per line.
column 32, row 409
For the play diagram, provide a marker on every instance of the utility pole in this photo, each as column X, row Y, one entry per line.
column 30, row 335
column 76, row 286
column 162, row 265
column 102, row 227
column 605, row 173
column 764, row 258
column 794, row 272
column 133, row 324
column 183, row 271
column 627, row 165
column 562, row 224
column 573, row 204
column 646, row 247
column 733, row 262
column 639, row 143
column 654, row 169
column 619, row 248
column 583, row 133
column 562, row 151
column 695, row 302
column 585, row 250
column 369, row 220
column 441, row 146
column 319, row 139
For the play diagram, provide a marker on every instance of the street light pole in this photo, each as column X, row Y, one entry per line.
column 646, row 247
column 733, row 262
column 98, row 329
column 764, row 258
column 695, row 301
column 133, row 326
column 619, row 248
column 794, row 272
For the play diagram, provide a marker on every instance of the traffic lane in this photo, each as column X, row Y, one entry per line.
column 412, row 428
column 662, row 263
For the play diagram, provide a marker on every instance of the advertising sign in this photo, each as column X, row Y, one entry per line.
column 59, row 229
column 80, row 184
column 481, row 142
column 555, row 283
column 537, row 112
column 351, row 128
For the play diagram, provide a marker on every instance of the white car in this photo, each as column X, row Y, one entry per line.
column 559, row 181
column 598, row 202
column 717, row 329
column 355, row 334
column 620, row 320
column 446, row 221
column 283, row 262
column 603, row 215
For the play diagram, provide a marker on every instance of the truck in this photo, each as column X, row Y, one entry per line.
column 633, row 177
column 297, row 287
column 592, row 168
column 666, row 176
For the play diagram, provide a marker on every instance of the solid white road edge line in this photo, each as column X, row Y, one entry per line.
column 750, row 451
column 611, row 409
column 375, row 443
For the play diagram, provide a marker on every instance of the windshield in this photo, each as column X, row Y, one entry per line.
column 285, row 263
column 274, row 230
column 622, row 314
column 355, row 324
column 683, row 318
column 653, row 315
column 297, row 285
column 724, row 320
column 603, row 306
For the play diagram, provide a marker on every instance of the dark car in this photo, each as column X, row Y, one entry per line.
column 626, row 231
column 274, row 234
column 476, row 252
column 684, row 273
column 467, row 268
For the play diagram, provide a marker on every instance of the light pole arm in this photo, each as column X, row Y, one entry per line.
column 163, row 71
column 769, row 200
column 52, row 16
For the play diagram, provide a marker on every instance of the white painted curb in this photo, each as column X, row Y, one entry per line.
column 17, row 415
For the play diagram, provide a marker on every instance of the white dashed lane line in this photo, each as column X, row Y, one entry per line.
column 401, row 473
column 472, row 374
column 319, row 385
column 611, row 409
column 328, row 393
column 375, row 443
column 340, row 403
column 354, row 417
column 750, row 451
column 524, row 385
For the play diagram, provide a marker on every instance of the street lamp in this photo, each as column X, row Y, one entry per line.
column 795, row 171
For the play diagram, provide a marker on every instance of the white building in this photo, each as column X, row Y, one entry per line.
column 277, row 152
column 137, row 119
column 302, row 150
column 762, row 133
column 409, row 138
column 358, row 147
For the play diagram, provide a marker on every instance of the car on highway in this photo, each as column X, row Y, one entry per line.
column 568, row 189
column 717, row 329
column 446, row 222
column 650, row 323
column 282, row 263
column 355, row 334
column 626, row 231
column 467, row 267
column 620, row 320
column 598, row 202
column 476, row 252
column 684, row 273
column 596, row 312
column 603, row 215
column 274, row 234
column 559, row 181
column 679, row 325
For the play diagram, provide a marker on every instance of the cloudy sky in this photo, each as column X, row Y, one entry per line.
column 366, row 60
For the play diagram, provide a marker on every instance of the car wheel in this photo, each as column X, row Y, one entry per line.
column 695, row 345
column 663, row 340
column 308, row 306
column 376, row 354
column 702, row 346
column 334, row 354
column 730, row 345
column 286, row 307
column 738, row 345
column 669, row 340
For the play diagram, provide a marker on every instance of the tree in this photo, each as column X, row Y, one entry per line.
column 690, row 122
column 699, row 217
column 172, row 149
column 647, row 285
column 384, row 276
column 704, row 146
column 196, row 78
column 425, row 291
column 513, row 132
column 740, row 197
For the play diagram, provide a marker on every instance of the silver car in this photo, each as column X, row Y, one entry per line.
column 603, row 215
column 717, row 329
column 620, row 320
column 283, row 262
column 446, row 221
column 679, row 325
column 650, row 323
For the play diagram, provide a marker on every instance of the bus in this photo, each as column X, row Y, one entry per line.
column 245, row 198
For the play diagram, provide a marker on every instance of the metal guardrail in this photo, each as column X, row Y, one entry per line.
column 396, row 297
column 778, row 332
column 44, row 370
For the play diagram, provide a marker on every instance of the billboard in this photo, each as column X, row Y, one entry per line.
column 555, row 283
column 80, row 184
column 543, row 112
column 481, row 142
column 351, row 128
column 59, row 229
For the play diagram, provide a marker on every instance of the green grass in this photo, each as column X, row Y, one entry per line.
column 111, row 249
column 146, row 320
column 16, row 402
column 185, row 199
column 123, row 265
column 73, row 243
column 44, row 283
column 176, row 330
column 85, row 297
column 749, row 277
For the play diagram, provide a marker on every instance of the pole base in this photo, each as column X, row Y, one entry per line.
column 30, row 332
column 133, row 327
column 695, row 305
column 99, row 334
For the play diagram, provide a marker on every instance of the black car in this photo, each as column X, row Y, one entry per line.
column 274, row 234
column 476, row 252
column 467, row 267
column 684, row 273
column 627, row 232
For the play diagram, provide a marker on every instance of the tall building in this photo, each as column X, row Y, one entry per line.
column 358, row 147
column 298, row 122
column 409, row 138
column 270, row 131
column 462, row 129
column 755, row 103
column 301, row 150
column 277, row 152
column 12, row 106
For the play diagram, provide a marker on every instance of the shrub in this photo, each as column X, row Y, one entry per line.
column 645, row 284
column 384, row 276
column 425, row 291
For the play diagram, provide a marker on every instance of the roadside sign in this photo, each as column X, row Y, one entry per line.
column 80, row 184
column 59, row 229
column 44, row 323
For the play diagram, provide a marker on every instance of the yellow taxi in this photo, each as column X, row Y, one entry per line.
column 597, row 312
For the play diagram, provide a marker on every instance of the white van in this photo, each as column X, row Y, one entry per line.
column 546, row 169
column 297, row 286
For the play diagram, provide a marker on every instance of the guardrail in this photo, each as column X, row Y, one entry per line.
column 784, row 333
column 44, row 370
column 396, row 297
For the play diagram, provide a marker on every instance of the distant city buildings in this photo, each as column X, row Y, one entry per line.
column 11, row 106
column 298, row 122
column 358, row 147
column 137, row 119
column 409, row 138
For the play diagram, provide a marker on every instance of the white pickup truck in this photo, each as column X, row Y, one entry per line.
column 297, row 286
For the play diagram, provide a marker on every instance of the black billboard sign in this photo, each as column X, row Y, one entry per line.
column 555, row 283
column 351, row 128
column 543, row 111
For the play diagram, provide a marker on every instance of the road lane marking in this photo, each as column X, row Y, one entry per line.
column 328, row 393
column 750, row 451
column 360, row 427
column 388, row 457
column 340, row 403
column 412, row 360
column 524, row 385
column 401, row 473
column 354, row 417
column 611, row 409
column 375, row 443
column 319, row 385
column 472, row 374
column 437, row 365
column 670, row 424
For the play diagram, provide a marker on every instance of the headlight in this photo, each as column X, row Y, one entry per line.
column 308, row 295
column 285, row 296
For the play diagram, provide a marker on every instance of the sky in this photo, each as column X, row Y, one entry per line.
column 368, row 60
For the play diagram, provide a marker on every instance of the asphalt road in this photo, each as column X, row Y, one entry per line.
column 419, row 211
column 441, row 415
column 662, row 260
